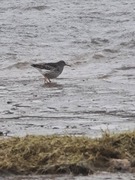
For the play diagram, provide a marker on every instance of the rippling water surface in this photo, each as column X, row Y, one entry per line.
column 98, row 92
column 103, row 176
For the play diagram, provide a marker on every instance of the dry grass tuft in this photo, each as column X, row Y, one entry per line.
column 64, row 154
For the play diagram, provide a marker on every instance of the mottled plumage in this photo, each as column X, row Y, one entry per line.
column 50, row 70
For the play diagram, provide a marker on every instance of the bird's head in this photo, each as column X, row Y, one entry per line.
column 62, row 63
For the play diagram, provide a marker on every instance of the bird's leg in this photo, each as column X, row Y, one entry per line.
column 47, row 80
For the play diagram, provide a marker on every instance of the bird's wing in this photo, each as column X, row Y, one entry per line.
column 50, row 66
column 47, row 66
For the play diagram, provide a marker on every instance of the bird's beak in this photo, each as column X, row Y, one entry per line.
column 67, row 65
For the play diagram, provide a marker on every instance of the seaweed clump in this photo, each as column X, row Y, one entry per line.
column 65, row 154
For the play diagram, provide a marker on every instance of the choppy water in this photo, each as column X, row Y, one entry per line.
column 96, row 37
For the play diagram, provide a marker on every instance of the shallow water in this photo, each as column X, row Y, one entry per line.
column 97, row 93
column 96, row 37
column 98, row 176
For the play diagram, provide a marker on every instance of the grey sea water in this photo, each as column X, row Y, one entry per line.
column 96, row 37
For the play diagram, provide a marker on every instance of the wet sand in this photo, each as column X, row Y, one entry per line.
column 97, row 93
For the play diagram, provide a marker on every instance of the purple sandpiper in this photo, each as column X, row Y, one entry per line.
column 50, row 70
